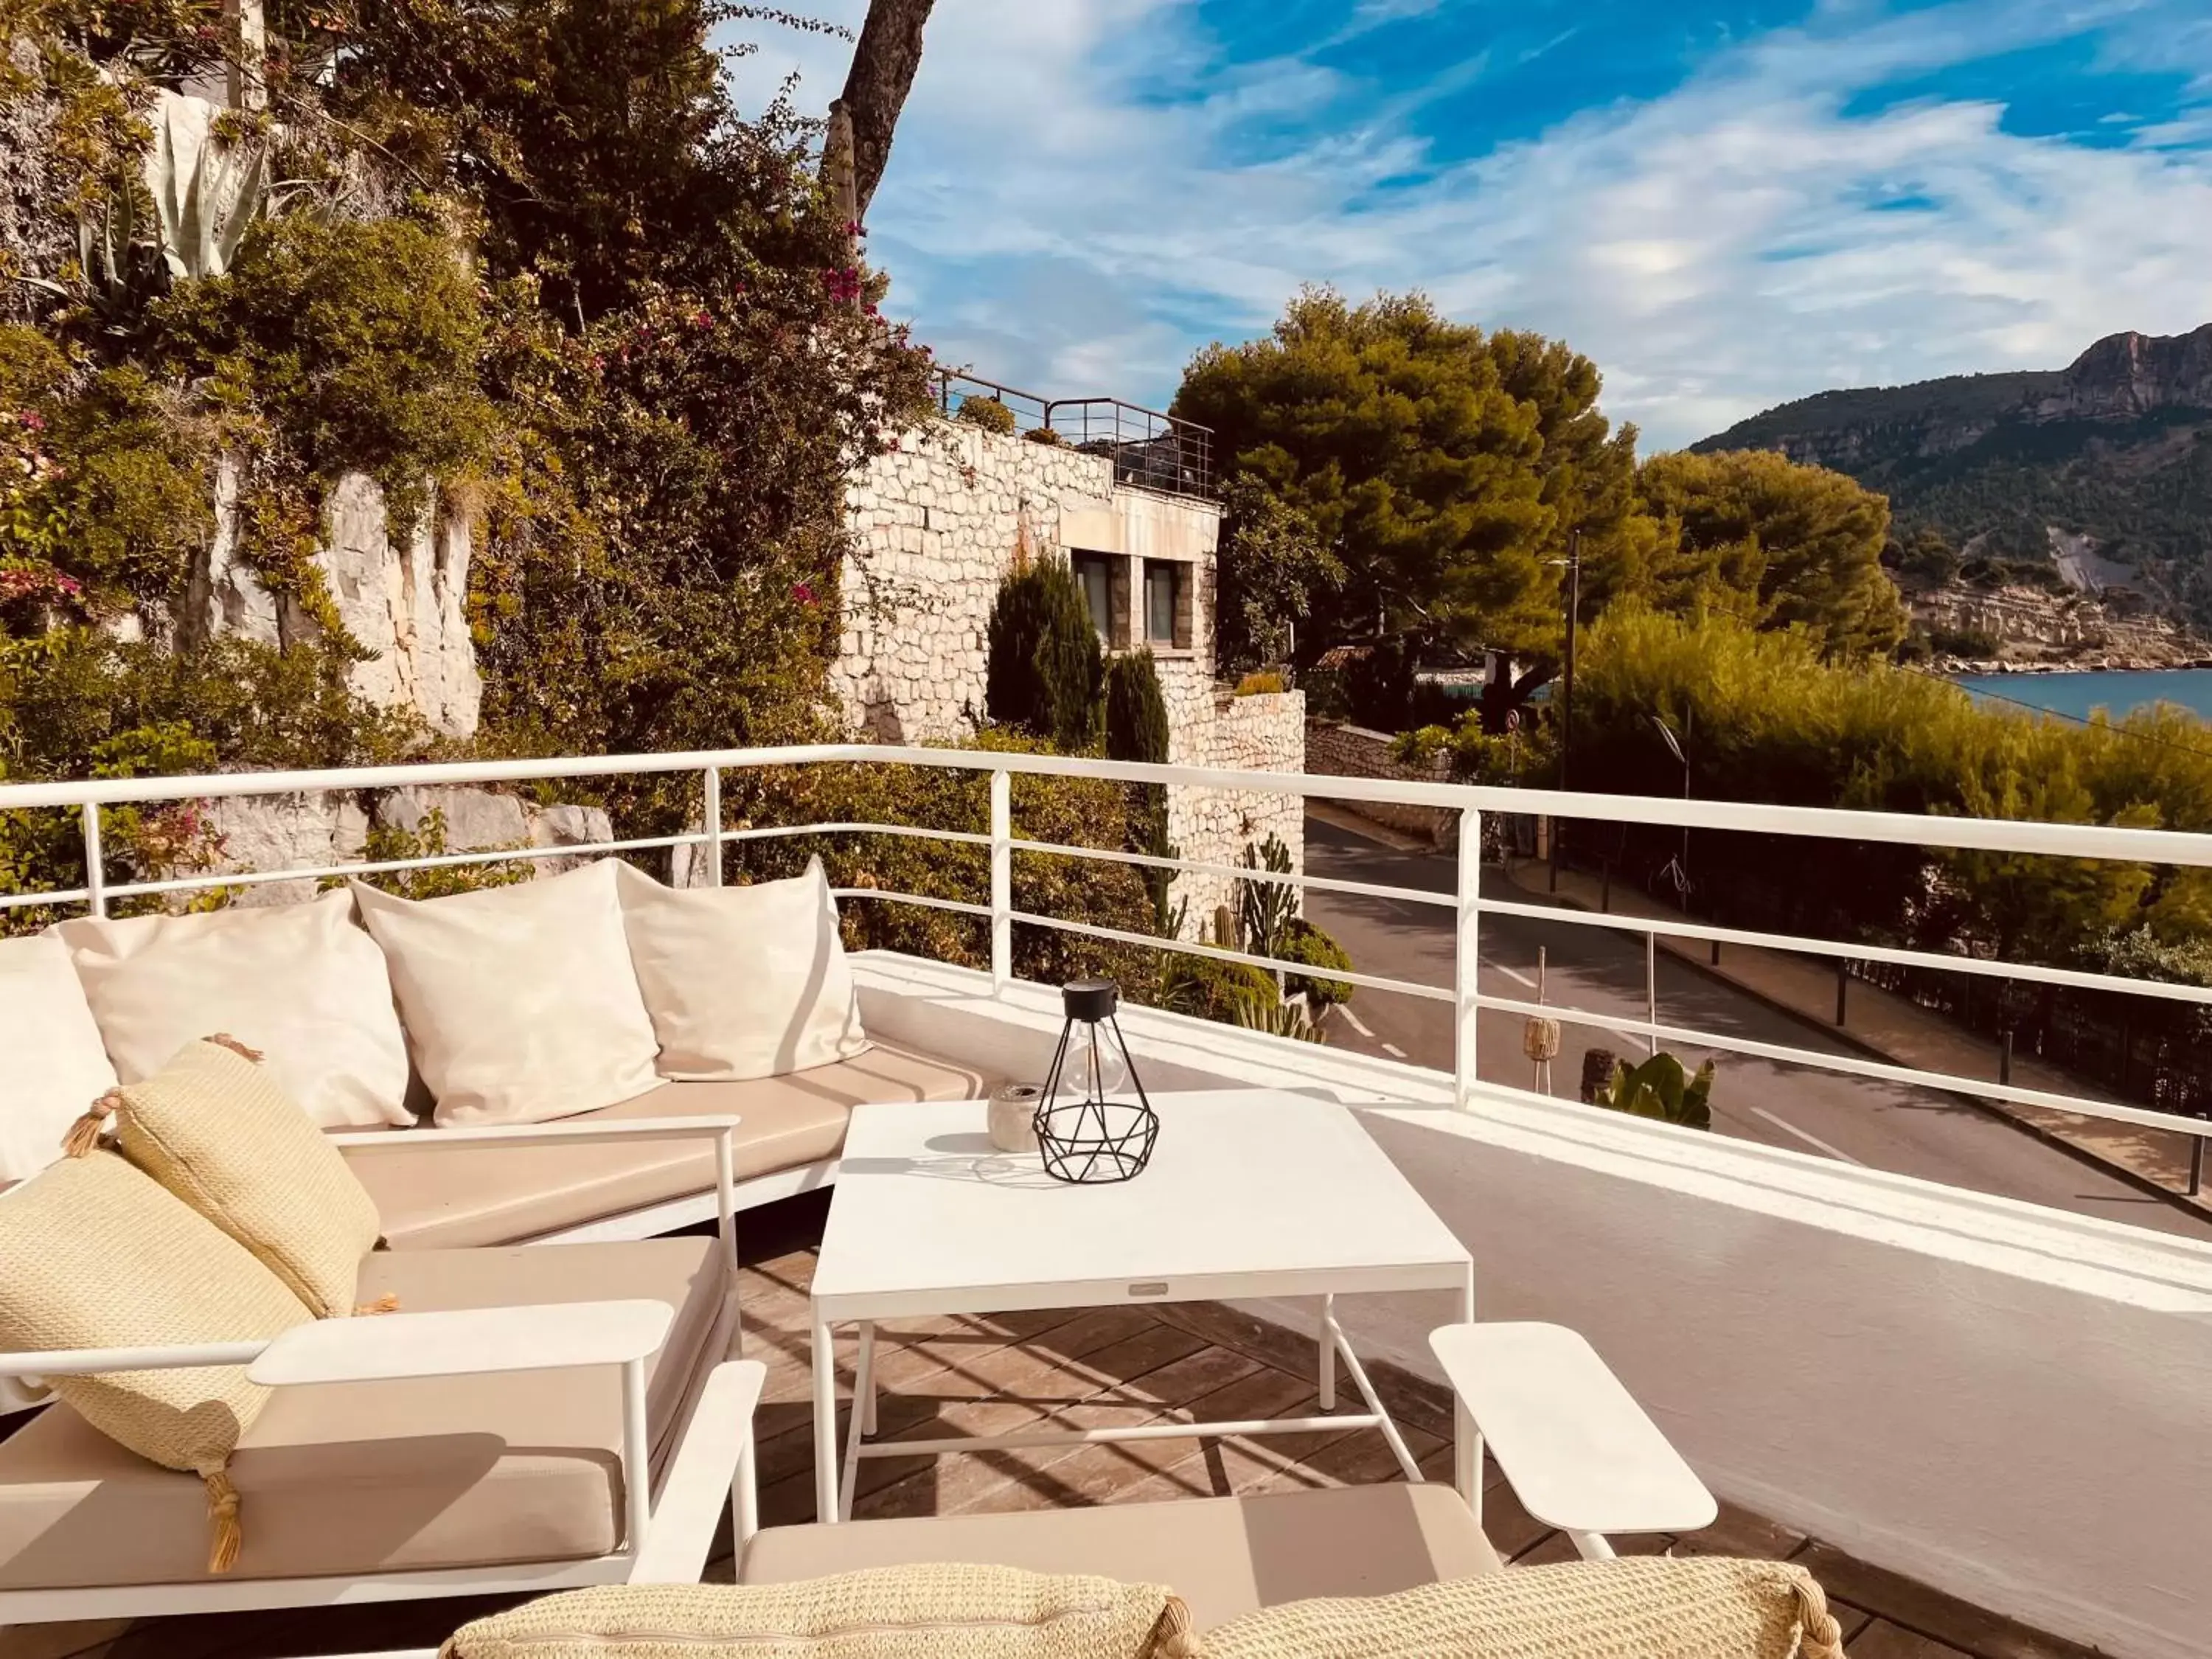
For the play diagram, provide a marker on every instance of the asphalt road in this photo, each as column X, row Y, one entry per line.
column 1861, row 1120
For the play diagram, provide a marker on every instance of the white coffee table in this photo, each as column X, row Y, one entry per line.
column 1251, row 1193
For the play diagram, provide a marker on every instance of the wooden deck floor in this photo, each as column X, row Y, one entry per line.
column 977, row 1375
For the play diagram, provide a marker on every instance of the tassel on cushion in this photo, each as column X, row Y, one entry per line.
column 225, row 1536
column 83, row 1137
column 224, row 1039
column 388, row 1303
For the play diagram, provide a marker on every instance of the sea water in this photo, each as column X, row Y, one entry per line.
column 2119, row 692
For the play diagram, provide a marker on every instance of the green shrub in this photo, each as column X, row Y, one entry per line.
column 1043, row 669
column 989, row 413
column 1207, row 988
column 1136, row 713
column 1260, row 682
column 1962, row 642
column 1303, row 942
column 1047, row 436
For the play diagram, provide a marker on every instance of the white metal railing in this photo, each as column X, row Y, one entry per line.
column 88, row 799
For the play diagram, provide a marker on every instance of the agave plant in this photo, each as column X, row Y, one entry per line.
column 1659, row 1088
column 206, row 207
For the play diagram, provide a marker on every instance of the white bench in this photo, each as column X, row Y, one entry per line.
column 1579, row 1451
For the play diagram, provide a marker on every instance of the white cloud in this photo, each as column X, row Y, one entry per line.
column 1053, row 218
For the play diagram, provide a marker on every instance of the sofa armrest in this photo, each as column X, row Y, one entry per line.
column 557, row 1133
column 467, row 1342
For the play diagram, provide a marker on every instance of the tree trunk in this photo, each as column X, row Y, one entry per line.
column 884, row 65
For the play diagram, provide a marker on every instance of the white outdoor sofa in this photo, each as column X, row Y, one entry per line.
column 530, row 1419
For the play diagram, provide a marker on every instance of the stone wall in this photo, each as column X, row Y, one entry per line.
column 1353, row 751
column 938, row 520
column 408, row 603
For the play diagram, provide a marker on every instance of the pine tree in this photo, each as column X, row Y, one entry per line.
column 1043, row 668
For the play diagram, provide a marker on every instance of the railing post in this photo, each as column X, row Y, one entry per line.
column 1467, row 959
column 710, row 819
column 96, row 862
column 1002, row 878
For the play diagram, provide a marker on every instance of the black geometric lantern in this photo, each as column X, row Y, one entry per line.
column 1087, row 1138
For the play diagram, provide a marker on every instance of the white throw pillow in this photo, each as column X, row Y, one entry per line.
column 520, row 1002
column 52, row 1065
column 742, row 981
column 300, row 982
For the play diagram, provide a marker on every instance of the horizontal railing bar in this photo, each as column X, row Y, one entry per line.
column 1843, row 951
column 71, row 895
column 783, row 831
column 1304, row 970
column 961, row 905
column 428, row 861
column 1947, row 1082
column 2172, row 847
column 1241, row 872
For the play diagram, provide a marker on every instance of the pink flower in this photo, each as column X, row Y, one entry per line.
column 702, row 319
column 803, row 593
column 32, row 419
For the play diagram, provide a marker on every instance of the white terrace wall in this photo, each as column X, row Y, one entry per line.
column 936, row 521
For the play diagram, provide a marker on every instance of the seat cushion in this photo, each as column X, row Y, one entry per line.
column 742, row 981
column 1224, row 1556
column 365, row 1477
column 520, row 1002
column 300, row 982
column 57, row 1065
column 451, row 1196
column 214, row 1127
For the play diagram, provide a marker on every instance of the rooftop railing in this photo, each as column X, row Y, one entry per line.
column 1150, row 450
column 90, row 800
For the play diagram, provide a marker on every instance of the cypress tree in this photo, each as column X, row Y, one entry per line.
column 1042, row 669
column 1136, row 713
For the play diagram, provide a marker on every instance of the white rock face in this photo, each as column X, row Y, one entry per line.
column 407, row 604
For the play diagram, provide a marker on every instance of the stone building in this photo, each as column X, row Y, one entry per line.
column 940, row 518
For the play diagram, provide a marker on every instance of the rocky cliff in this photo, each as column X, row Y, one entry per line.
column 2110, row 457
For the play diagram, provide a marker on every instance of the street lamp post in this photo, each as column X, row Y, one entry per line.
column 1574, row 564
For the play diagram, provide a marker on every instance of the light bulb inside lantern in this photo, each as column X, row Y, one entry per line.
column 1105, row 1072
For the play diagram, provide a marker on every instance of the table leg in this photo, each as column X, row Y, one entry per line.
column 1466, row 1438
column 825, row 1423
column 1328, row 1354
column 864, row 1380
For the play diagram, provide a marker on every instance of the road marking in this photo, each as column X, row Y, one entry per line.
column 1514, row 974
column 1810, row 1138
column 1393, row 1051
column 1354, row 1021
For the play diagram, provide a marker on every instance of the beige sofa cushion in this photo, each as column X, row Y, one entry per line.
column 936, row 1612
column 1650, row 1607
column 1224, row 1556
column 56, row 1066
column 96, row 1254
column 300, row 982
column 742, row 981
column 520, row 1002
column 364, row 1477
column 430, row 1197
column 214, row 1128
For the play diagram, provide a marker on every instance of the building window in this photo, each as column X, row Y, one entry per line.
column 1094, row 572
column 1166, row 593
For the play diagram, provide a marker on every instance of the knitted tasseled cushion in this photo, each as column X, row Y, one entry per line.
column 97, row 1255
column 944, row 1612
column 213, row 1127
column 1645, row 1608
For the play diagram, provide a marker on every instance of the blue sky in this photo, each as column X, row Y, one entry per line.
column 1726, row 206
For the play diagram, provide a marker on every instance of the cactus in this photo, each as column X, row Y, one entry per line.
column 1660, row 1089
column 206, row 209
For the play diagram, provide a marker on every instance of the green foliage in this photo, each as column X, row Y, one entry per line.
column 1962, row 642
column 1293, row 1020
column 1525, row 758
column 1205, row 987
column 1260, row 682
column 1659, row 1088
column 1043, row 668
column 990, row 413
column 389, row 843
column 1445, row 464
column 206, row 207
column 1303, row 942
column 1046, row 435
column 1075, row 811
column 1272, row 567
column 1775, row 545
column 1136, row 713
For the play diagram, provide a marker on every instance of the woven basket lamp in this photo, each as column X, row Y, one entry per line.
column 1540, row 1036
column 1085, row 1138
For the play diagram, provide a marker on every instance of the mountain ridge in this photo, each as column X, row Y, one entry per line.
column 2114, row 452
